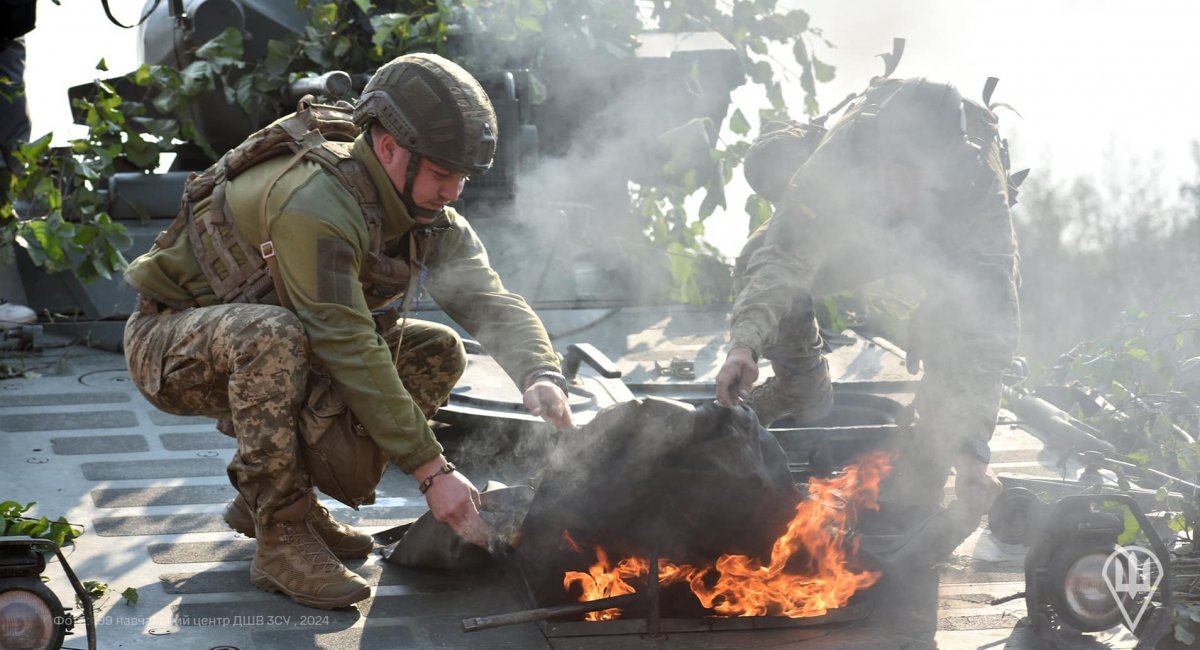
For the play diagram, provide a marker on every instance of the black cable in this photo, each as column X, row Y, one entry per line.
column 113, row 19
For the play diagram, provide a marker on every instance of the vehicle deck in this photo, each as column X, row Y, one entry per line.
column 149, row 489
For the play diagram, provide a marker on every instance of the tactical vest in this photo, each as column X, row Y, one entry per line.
column 241, row 272
column 980, row 123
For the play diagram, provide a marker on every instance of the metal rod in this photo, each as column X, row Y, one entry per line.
column 1001, row 601
column 654, row 617
column 543, row 613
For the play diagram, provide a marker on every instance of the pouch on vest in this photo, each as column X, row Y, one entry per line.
column 343, row 460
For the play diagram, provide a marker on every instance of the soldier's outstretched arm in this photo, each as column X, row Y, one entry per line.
column 548, row 401
column 781, row 269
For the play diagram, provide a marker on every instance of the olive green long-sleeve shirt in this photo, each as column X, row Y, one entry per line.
column 322, row 242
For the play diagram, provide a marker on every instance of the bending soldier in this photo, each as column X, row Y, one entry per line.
column 342, row 239
column 911, row 181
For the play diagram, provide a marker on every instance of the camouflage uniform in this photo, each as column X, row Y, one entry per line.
column 835, row 230
column 249, row 362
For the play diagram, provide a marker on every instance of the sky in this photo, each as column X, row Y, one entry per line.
column 1102, row 87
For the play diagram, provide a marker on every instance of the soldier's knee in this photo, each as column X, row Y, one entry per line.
column 454, row 355
column 275, row 334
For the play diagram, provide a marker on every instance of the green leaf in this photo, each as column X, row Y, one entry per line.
column 197, row 77
column 10, row 509
column 279, row 57
column 796, row 22
column 131, row 596
column 800, row 52
column 1138, row 353
column 30, row 527
column 93, row 590
column 810, row 105
column 1188, row 612
column 1131, row 527
column 822, row 71
column 142, row 76
column 1140, row 457
column 62, row 532
column 224, row 50
column 759, row 210
column 528, row 24
column 1183, row 635
column 738, row 123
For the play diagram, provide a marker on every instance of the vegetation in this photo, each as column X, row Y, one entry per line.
column 64, row 224
column 1109, row 310
column 13, row 523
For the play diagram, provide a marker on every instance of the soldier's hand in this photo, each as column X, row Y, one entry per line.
column 454, row 501
column 975, row 485
column 736, row 377
column 547, row 401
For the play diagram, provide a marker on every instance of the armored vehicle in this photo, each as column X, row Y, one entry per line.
column 149, row 486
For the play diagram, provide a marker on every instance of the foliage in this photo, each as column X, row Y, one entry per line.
column 1143, row 392
column 1113, row 264
column 59, row 531
column 94, row 590
column 13, row 523
column 130, row 595
column 65, row 224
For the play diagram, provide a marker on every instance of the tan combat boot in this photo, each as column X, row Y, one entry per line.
column 807, row 395
column 290, row 559
column 344, row 541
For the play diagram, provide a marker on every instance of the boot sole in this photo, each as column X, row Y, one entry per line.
column 341, row 554
column 266, row 583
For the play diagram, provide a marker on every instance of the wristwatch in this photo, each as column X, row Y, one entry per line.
column 554, row 376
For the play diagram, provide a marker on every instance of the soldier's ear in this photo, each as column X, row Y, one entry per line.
column 389, row 151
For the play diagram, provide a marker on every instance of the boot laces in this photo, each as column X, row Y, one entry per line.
column 310, row 546
column 319, row 516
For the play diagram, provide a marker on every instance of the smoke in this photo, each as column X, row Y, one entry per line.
column 568, row 232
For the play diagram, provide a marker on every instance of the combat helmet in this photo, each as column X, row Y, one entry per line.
column 435, row 109
column 779, row 150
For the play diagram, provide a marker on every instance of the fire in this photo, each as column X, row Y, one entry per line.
column 602, row 581
column 807, row 574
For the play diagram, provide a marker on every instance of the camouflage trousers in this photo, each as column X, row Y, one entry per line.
column 248, row 366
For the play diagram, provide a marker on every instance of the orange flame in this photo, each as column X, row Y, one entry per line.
column 813, row 547
column 602, row 581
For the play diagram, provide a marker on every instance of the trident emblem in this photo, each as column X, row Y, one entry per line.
column 1135, row 571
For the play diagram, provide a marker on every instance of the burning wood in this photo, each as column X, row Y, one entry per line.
column 810, row 568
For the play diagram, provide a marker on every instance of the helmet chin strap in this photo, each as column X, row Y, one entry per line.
column 410, row 176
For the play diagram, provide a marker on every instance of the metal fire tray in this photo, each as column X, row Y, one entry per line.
column 850, row 613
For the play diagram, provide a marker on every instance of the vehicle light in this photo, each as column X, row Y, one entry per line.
column 1080, row 594
column 31, row 616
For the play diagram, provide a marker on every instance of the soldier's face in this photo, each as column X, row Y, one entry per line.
column 434, row 186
